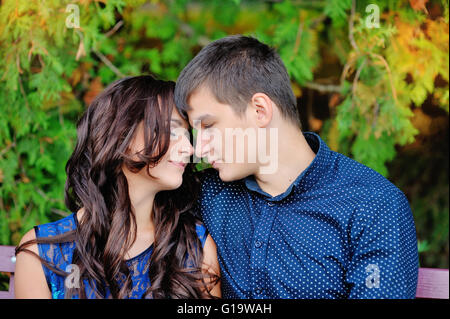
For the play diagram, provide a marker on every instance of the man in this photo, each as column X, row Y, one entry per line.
column 319, row 224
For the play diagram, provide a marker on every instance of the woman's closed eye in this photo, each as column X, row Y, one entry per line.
column 179, row 131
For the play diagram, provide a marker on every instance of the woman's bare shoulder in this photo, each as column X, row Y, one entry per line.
column 30, row 235
column 30, row 281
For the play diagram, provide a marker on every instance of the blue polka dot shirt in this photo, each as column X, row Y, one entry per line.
column 340, row 230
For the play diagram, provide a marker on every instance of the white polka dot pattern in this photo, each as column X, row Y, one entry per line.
column 341, row 230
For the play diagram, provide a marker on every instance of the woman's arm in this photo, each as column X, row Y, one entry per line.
column 211, row 264
column 29, row 280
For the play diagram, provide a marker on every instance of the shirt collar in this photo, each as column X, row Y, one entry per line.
column 309, row 177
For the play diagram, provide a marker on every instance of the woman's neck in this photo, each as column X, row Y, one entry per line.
column 142, row 206
column 141, row 198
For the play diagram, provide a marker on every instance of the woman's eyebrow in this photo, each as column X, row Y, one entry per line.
column 177, row 122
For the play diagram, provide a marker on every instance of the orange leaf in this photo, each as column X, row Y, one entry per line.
column 418, row 5
column 334, row 100
column 315, row 124
column 94, row 89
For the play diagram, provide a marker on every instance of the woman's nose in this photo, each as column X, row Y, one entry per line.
column 187, row 148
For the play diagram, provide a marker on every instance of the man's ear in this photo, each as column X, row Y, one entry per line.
column 261, row 109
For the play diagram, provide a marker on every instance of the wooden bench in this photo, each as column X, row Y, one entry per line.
column 432, row 282
column 7, row 263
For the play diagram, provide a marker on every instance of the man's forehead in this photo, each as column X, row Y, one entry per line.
column 201, row 98
column 202, row 105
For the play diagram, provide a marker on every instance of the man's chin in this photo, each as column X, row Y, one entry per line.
column 223, row 175
column 227, row 176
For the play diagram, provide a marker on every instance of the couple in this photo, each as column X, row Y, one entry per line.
column 145, row 225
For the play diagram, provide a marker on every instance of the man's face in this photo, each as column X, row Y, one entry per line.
column 228, row 154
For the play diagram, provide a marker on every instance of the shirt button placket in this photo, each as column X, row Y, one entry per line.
column 259, row 252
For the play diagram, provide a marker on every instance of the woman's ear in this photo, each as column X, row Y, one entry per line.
column 261, row 109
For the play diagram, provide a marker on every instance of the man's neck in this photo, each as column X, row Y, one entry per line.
column 294, row 156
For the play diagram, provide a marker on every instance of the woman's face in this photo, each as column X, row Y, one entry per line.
column 168, row 173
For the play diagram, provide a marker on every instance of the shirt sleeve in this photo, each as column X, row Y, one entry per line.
column 383, row 249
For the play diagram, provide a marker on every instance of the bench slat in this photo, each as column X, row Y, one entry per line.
column 6, row 263
column 6, row 294
column 433, row 283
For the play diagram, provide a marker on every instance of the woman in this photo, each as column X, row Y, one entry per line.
column 132, row 233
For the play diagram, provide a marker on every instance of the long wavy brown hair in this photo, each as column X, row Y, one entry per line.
column 96, row 182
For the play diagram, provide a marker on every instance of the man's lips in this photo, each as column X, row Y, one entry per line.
column 214, row 163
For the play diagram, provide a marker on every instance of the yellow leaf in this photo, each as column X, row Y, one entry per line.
column 296, row 89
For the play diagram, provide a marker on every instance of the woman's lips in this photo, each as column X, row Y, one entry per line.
column 179, row 164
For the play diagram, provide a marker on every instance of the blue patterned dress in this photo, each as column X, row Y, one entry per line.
column 60, row 255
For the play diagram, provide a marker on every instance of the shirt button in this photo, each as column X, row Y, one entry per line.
column 270, row 204
column 258, row 291
column 258, row 244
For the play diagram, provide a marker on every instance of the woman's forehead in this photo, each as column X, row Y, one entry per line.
column 177, row 119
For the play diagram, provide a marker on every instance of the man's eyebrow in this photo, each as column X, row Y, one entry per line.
column 203, row 117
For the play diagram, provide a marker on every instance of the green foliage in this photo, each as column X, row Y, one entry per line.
column 337, row 10
column 50, row 73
